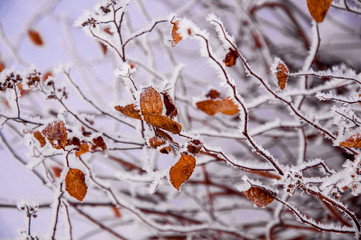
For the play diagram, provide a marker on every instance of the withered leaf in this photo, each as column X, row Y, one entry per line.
column 318, row 9
column 150, row 102
column 74, row 141
column 175, row 34
column 156, row 141
column 40, row 138
column 2, row 66
column 75, row 184
column 213, row 94
column 116, row 212
column 259, row 196
column 46, row 76
column 171, row 109
column 99, row 142
column 56, row 133
column 129, row 110
column 194, row 146
column 104, row 48
column 84, row 148
column 163, row 134
column 35, row 37
column 353, row 141
column 213, row 106
column 231, row 58
column 57, row 171
column 23, row 91
column 182, row 170
column 282, row 75
column 163, row 122
column 165, row 150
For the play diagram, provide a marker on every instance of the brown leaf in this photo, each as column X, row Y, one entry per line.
column 282, row 75
column 259, row 196
column 23, row 91
column 116, row 212
column 107, row 30
column 2, row 66
column 175, row 34
column 165, row 150
column 74, row 141
column 231, row 58
column 40, row 138
column 104, row 48
column 318, row 9
column 213, row 106
column 163, row 134
column 46, row 76
column 194, row 146
column 150, row 102
column 163, row 122
column 57, row 171
column 156, row 141
column 35, row 37
column 84, row 148
column 99, row 142
column 182, row 170
column 75, row 184
column 353, row 141
column 129, row 110
column 56, row 133
column 171, row 109
column 213, row 94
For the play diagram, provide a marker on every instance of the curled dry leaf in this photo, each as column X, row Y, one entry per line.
column 104, row 48
column 116, row 212
column 182, row 170
column 163, row 122
column 150, row 102
column 57, row 171
column 282, row 75
column 84, row 148
column 46, row 76
column 99, row 142
column 353, row 141
column 75, row 184
column 171, row 109
column 156, row 141
column 129, row 110
column 2, row 66
column 231, row 58
column 74, row 141
column 194, row 146
column 259, row 196
column 165, row 150
column 318, row 9
column 56, row 133
column 35, row 37
column 213, row 106
column 40, row 138
column 213, row 94
column 175, row 34
column 163, row 134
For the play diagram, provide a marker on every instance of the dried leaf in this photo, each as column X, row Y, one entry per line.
column 163, row 122
column 175, row 34
column 46, row 76
column 231, row 58
column 182, row 170
column 56, row 133
column 259, row 196
column 213, row 94
column 40, row 138
column 163, row 134
column 57, row 171
column 2, row 66
column 99, row 142
column 107, row 30
column 150, row 102
column 104, row 48
column 129, row 110
column 35, row 37
column 75, row 184
column 171, row 109
column 318, row 9
column 74, row 141
column 194, row 146
column 165, row 150
column 353, row 141
column 116, row 211
column 156, row 141
column 84, row 148
column 213, row 106
column 282, row 75
column 23, row 91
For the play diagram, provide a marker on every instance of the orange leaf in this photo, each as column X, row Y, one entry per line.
column 213, row 106
column 171, row 109
column 165, row 150
column 57, row 171
column 35, row 37
column 231, row 58
column 40, row 138
column 84, row 148
column 150, row 102
column 259, row 196
column 282, row 75
column 163, row 134
column 56, row 133
column 213, row 94
column 116, row 211
column 156, row 141
column 46, row 76
column 75, row 184
column 99, row 142
column 353, row 141
column 2, row 66
column 163, row 122
column 129, row 110
column 318, row 9
column 23, row 91
column 175, row 34
column 194, row 146
column 182, row 170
